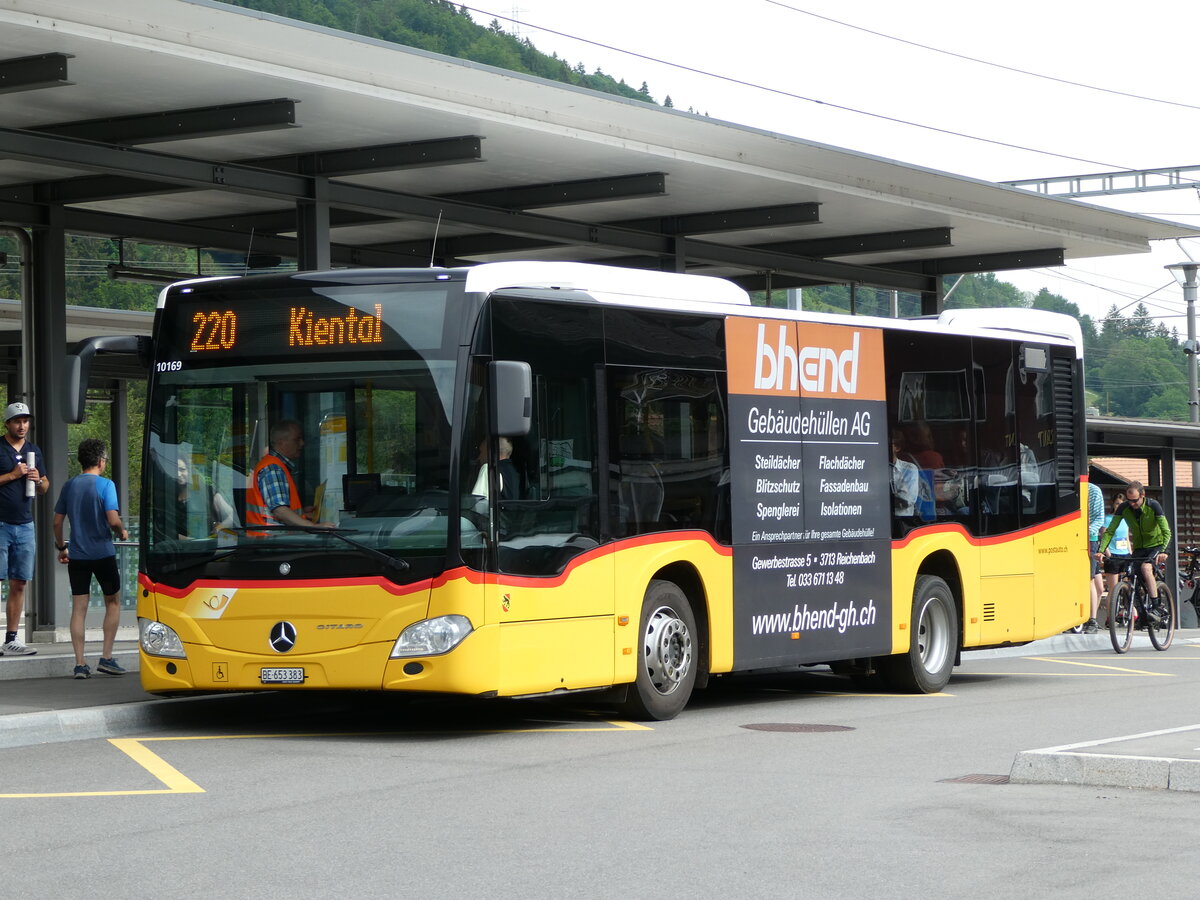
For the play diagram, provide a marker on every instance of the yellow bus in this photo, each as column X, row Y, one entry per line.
column 520, row 479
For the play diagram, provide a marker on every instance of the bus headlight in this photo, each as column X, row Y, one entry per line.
column 158, row 639
column 432, row 636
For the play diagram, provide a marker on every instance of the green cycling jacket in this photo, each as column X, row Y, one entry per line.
column 1148, row 527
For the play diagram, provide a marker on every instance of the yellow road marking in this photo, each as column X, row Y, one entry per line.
column 178, row 783
column 1086, row 665
column 1109, row 671
column 889, row 696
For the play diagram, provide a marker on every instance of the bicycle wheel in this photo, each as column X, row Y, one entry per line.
column 1163, row 633
column 1120, row 616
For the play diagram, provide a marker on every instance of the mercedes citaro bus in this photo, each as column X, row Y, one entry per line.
column 523, row 479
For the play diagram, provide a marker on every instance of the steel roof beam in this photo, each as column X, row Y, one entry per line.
column 181, row 124
column 850, row 244
column 724, row 220
column 465, row 246
column 729, row 220
column 282, row 221
column 378, row 158
column 984, row 262
column 355, row 161
column 567, row 193
column 590, row 190
column 86, row 221
column 30, row 73
column 261, row 182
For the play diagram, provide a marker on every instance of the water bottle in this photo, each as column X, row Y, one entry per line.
column 30, row 484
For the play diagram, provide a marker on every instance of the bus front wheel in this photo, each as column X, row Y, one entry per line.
column 925, row 668
column 666, row 650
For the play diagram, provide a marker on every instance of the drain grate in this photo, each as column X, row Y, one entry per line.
column 975, row 779
column 796, row 727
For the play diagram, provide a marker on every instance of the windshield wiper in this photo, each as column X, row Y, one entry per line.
column 390, row 562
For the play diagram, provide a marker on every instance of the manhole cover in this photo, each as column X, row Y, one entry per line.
column 796, row 726
column 976, row 779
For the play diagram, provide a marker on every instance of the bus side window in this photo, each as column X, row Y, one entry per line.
column 669, row 453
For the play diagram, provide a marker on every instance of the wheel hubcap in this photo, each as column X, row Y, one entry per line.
column 933, row 636
column 667, row 650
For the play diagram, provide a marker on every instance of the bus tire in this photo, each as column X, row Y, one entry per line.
column 666, row 648
column 925, row 668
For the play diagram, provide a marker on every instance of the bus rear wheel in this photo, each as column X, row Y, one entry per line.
column 925, row 668
column 666, row 649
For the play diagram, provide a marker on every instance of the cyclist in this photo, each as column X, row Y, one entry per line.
column 1149, row 533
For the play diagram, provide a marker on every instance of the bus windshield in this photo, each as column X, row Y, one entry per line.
column 354, row 426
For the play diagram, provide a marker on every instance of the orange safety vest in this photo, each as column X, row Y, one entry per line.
column 256, row 508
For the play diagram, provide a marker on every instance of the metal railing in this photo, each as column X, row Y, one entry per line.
column 127, row 565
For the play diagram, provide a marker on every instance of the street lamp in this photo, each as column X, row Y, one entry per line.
column 1185, row 274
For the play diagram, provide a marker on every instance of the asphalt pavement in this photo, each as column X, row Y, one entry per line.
column 40, row 702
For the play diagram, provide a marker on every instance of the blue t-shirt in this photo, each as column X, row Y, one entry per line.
column 85, row 500
column 15, row 507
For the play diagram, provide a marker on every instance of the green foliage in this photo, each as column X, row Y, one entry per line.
column 442, row 27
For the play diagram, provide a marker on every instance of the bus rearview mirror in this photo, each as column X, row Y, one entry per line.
column 510, row 385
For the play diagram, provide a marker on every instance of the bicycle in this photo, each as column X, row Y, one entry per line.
column 1127, row 609
column 1189, row 577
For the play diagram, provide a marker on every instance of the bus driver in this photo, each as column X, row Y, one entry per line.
column 273, row 497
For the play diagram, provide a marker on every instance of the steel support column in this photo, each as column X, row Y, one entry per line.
column 118, row 458
column 1170, row 505
column 49, row 595
column 312, row 229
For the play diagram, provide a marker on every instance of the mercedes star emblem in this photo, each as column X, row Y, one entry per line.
column 283, row 637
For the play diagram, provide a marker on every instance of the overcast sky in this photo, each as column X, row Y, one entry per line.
column 768, row 65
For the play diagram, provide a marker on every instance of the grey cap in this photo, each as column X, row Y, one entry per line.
column 16, row 409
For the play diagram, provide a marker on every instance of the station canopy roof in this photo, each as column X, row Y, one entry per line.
column 195, row 123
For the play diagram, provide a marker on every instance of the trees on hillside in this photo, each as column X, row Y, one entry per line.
column 443, row 27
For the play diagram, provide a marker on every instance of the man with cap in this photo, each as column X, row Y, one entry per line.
column 18, row 468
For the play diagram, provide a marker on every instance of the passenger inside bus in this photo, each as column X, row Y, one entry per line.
column 190, row 507
column 506, row 470
column 944, row 486
column 905, row 478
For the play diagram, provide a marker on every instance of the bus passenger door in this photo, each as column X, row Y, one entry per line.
column 554, row 579
column 1006, row 604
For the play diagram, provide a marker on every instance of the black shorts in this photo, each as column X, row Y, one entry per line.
column 1114, row 565
column 80, row 571
column 1146, row 554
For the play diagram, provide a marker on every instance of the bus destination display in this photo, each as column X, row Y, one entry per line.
column 810, row 476
column 297, row 328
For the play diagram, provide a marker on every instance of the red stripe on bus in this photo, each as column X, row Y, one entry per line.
column 461, row 572
column 954, row 527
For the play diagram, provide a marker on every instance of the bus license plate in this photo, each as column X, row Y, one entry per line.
column 282, row 676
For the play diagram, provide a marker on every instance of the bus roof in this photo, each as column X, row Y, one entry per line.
column 605, row 282
column 650, row 289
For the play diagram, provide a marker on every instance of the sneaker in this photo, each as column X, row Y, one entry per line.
column 83, row 672
column 1090, row 627
column 109, row 667
column 16, row 648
